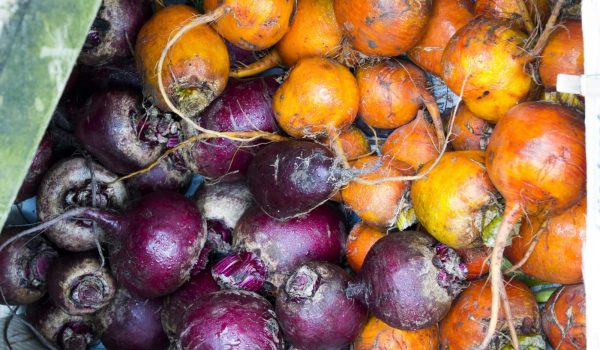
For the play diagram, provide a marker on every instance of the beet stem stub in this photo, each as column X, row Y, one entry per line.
column 452, row 271
column 89, row 291
column 75, row 336
column 303, row 284
column 243, row 270
column 37, row 267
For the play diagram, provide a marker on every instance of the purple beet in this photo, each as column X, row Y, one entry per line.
column 121, row 133
column 230, row 319
column 283, row 245
column 66, row 331
column 114, row 30
column 290, row 178
column 240, row 57
column 240, row 270
column 96, row 78
column 176, row 304
column 408, row 280
column 133, row 323
column 314, row 311
column 24, row 267
column 243, row 106
column 154, row 244
column 42, row 160
column 68, row 185
column 169, row 174
column 79, row 285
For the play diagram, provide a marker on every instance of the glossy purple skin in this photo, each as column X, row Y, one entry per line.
column 134, row 324
column 398, row 282
column 283, row 245
column 107, row 131
column 289, row 178
column 168, row 175
column 230, row 319
column 95, row 78
column 154, row 243
column 24, row 268
column 239, row 57
column 319, row 315
column 114, row 30
column 42, row 160
column 176, row 304
column 243, row 106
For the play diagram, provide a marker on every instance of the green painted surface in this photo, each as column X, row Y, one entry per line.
column 38, row 49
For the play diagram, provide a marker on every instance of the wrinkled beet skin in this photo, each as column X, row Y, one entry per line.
column 230, row 319
column 290, row 178
column 14, row 264
column 243, row 106
column 106, row 131
column 176, row 304
column 155, row 243
column 282, row 245
column 327, row 320
column 42, row 160
column 134, row 324
column 398, row 283
column 168, row 175
column 114, row 30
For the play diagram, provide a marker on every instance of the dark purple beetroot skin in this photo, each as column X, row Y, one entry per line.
column 170, row 174
column 155, row 243
column 66, row 331
column 243, row 106
column 283, row 245
column 78, row 284
column 114, row 31
column 240, row 270
column 123, row 135
column 96, row 78
column 314, row 311
column 42, row 160
column 176, row 304
column 23, row 268
column 408, row 280
column 230, row 319
column 68, row 185
column 289, row 178
column 239, row 57
column 133, row 323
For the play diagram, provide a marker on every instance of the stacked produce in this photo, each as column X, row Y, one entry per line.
column 344, row 201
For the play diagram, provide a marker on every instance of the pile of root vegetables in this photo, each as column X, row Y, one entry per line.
column 345, row 203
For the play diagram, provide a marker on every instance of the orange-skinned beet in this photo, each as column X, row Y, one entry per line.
column 476, row 260
column 557, row 255
column 376, row 335
column 382, row 27
column 510, row 10
column 562, row 54
column 466, row 323
column 447, row 16
column 253, row 25
column 379, row 204
column 196, row 67
column 563, row 318
column 469, row 132
column 456, row 200
column 319, row 96
column 361, row 239
column 486, row 57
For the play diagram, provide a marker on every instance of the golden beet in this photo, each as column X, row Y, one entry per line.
column 361, row 239
column 469, row 132
column 376, row 335
column 319, row 96
column 562, row 54
column 563, row 318
column 196, row 67
column 486, row 56
column 253, row 25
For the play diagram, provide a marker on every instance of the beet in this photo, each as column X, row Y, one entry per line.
column 408, row 280
column 290, row 178
column 24, row 266
column 283, row 245
column 154, row 243
column 114, row 31
column 133, row 323
column 67, row 185
column 314, row 311
column 42, row 160
column 230, row 319
column 242, row 270
column 124, row 135
column 169, row 174
column 243, row 106
column 239, row 57
column 224, row 201
column 61, row 329
column 97, row 78
column 79, row 285
column 176, row 304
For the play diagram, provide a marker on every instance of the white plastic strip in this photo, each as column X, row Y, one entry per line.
column 591, row 264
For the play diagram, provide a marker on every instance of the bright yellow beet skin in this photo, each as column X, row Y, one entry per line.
column 489, row 53
column 449, row 202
